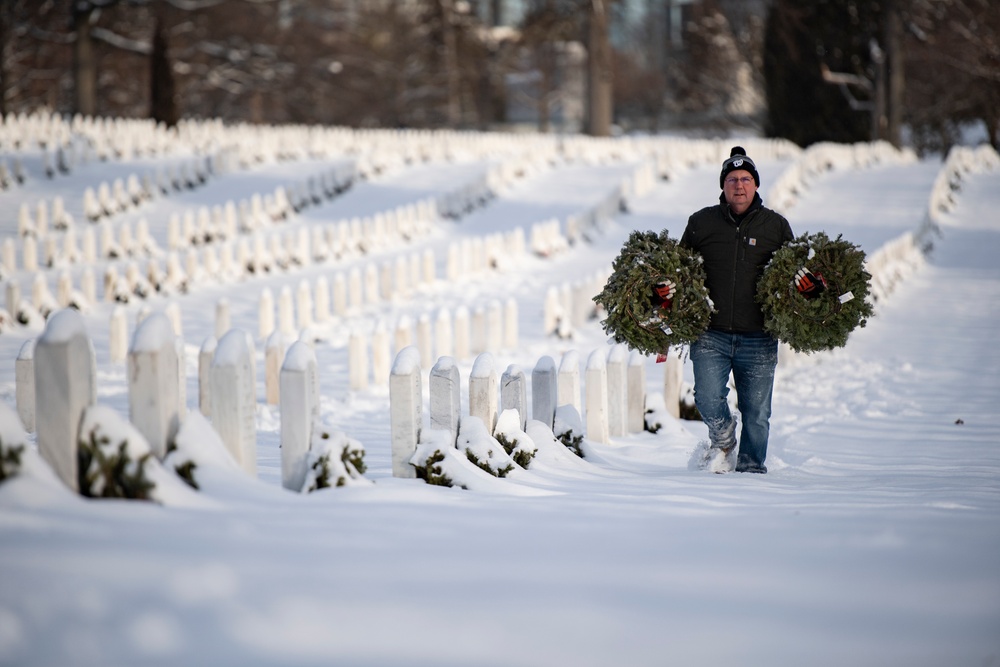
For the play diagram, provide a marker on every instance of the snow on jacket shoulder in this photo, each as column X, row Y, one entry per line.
column 735, row 255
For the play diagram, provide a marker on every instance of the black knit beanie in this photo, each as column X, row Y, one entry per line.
column 738, row 160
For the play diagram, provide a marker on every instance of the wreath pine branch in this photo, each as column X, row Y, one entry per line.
column 633, row 313
column 825, row 322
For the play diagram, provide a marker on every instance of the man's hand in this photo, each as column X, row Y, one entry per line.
column 808, row 284
column 665, row 290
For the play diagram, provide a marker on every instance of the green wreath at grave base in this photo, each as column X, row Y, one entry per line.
column 825, row 322
column 633, row 313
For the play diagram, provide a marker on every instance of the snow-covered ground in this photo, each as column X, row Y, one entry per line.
column 873, row 540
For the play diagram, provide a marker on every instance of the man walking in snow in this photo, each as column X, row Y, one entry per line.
column 736, row 239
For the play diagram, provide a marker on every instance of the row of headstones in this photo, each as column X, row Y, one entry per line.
column 459, row 335
column 571, row 304
column 56, row 383
column 92, row 245
column 613, row 393
column 284, row 250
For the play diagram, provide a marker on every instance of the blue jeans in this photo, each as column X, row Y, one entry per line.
column 752, row 359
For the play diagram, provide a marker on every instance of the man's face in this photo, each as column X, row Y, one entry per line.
column 739, row 188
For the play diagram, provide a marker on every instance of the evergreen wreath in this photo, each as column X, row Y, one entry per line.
column 633, row 313
column 824, row 322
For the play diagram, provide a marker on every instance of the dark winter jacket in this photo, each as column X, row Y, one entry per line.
column 735, row 254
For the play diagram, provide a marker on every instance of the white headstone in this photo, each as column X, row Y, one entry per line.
column 118, row 335
column 274, row 356
column 446, row 398
column 569, row 381
column 233, row 403
column 65, row 385
column 223, row 320
column 405, row 410
column 673, row 374
column 357, row 353
column 514, row 392
column 636, row 392
column 597, row 397
column 544, row 391
column 483, row 385
column 617, row 388
column 299, row 404
column 154, row 392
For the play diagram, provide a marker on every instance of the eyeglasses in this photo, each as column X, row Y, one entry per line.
column 745, row 180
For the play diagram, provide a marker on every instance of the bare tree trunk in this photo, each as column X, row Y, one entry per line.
column 84, row 64
column 600, row 71
column 897, row 75
column 454, row 110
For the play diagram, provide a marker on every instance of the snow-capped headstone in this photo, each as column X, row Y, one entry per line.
column 483, row 389
column 514, row 392
column 617, row 388
column 223, row 319
column 233, row 403
column 673, row 374
column 274, row 356
column 30, row 251
column 65, row 385
column 154, row 392
column 299, row 403
column 636, row 392
column 357, row 353
column 597, row 397
column 24, row 378
column 445, row 394
column 544, row 391
column 569, row 381
column 551, row 311
column 405, row 410
column 118, row 335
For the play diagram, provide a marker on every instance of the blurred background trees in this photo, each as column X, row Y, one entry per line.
column 917, row 71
